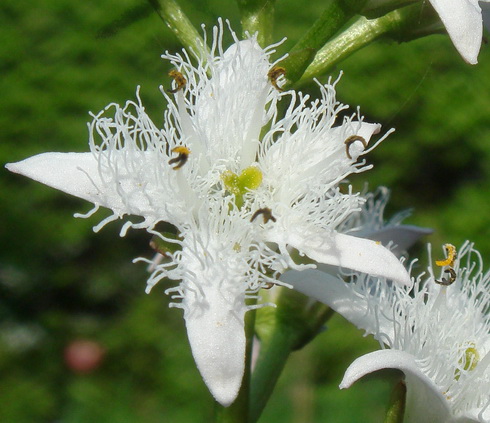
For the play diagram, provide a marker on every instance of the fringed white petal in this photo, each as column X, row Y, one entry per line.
column 227, row 110
column 311, row 155
column 463, row 21
column 129, row 190
column 425, row 404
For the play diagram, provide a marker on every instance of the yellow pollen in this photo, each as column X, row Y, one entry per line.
column 451, row 256
column 181, row 150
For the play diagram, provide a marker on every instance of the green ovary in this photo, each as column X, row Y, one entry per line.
column 469, row 360
column 238, row 185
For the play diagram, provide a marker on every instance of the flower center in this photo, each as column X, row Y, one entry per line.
column 238, row 185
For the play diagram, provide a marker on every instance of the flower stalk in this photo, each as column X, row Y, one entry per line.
column 335, row 15
column 172, row 14
column 295, row 322
column 400, row 25
column 396, row 409
column 257, row 16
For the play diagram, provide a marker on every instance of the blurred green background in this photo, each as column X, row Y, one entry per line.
column 60, row 282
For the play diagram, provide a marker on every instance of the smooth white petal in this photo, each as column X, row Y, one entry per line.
column 338, row 295
column 425, row 404
column 350, row 252
column 403, row 236
column 463, row 21
column 217, row 337
column 73, row 173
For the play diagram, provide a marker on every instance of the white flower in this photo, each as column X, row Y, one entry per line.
column 438, row 336
column 243, row 187
column 463, row 21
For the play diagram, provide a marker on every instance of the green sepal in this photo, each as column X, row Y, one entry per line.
column 401, row 25
column 335, row 15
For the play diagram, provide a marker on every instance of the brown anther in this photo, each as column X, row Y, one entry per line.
column 351, row 140
column 274, row 75
column 266, row 213
column 450, row 280
column 181, row 159
column 179, row 79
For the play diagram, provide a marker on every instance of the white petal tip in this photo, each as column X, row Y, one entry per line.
column 406, row 280
column 344, row 385
column 12, row 167
column 225, row 394
column 215, row 329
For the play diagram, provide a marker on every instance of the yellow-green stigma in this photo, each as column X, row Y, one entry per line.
column 238, row 185
column 469, row 360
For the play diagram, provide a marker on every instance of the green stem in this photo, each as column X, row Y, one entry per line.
column 335, row 15
column 377, row 8
column 258, row 16
column 272, row 359
column 362, row 33
column 396, row 409
column 401, row 25
column 238, row 412
column 175, row 18
column 289, row 327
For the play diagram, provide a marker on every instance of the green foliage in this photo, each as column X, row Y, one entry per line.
column 59, row 281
